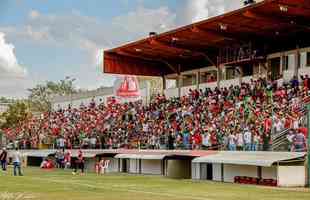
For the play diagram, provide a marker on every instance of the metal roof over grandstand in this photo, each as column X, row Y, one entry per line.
column 276, row 23
column 264, row 159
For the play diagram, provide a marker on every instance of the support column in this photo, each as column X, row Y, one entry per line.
column 197, row 80
column 240, row 75
column 164, row 84
column 219, row 77
column 180, row 84
column 297, row 62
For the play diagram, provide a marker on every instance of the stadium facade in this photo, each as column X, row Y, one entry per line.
column 267, row 39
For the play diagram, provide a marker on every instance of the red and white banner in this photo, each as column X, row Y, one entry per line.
column 127, row 88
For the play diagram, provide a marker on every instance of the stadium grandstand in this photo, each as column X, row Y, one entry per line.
column 242, row 84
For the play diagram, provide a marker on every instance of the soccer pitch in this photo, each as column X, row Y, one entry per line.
column 62, row 185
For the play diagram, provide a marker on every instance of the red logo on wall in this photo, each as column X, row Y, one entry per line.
column 129, row 88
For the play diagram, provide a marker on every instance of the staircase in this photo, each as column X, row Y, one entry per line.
column 279, row 141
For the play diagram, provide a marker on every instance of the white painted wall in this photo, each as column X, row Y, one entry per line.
column 228, row 83
column 171, row 92
column 269, row 172
column 90, row 165
column 211, row 85
column 113, row 165
column 217, row 173
column 151, row 167
column 291, row 176
column 185, row 90
column 247, row 79
column 133, row 166
column 75, row 103
column 230, row 171
column 195, row 171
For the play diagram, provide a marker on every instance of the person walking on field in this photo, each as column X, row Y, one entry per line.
column 79, row 163
column 3, row 159
column 17, row 160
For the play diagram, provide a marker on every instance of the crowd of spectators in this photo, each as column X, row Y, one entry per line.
column 236, row 118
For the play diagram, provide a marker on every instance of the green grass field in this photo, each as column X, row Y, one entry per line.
column 62, row 185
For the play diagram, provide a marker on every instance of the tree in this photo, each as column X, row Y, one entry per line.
column 6, row 100
column 16, row 113
column 40, row 96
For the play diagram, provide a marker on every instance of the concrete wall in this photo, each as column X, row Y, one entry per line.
column 171, row 92
column 231, row 171
column 151, row 167
column 133, row 166
column 269, row 172
column 113, row 165
column 185, row 90
column 196, row 171
column 291, row 176
column 90, row 164
column 210, row 85
column 217, row 172
column 228, row 83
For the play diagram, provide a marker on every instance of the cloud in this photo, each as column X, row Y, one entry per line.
column 91, row 35
column 144, row 20
column 14, row 79
column 34, row 14
column 8, row 62
column 197, row 10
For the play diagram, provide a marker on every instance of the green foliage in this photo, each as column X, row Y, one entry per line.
column 40, row 96
column 6, row 100
column 16, row 113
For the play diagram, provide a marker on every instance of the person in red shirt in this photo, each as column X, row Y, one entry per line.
column 304, row 131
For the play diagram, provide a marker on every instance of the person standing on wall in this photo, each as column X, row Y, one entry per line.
column 3, row 159
column 17, row 161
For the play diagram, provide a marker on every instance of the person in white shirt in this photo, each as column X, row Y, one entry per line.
column 231, row 142
column 93, row 142
column 278, row 126
column 206, row 140
column 61, row 143
column 247, row 140
column 17, row 159
column 240, row 141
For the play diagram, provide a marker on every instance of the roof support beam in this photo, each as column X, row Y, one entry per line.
column 223, row 34
column 274, row 19
column 174, row 69
column 195, row 29
column 154, row 42
column 181, row 51
column 123, row 53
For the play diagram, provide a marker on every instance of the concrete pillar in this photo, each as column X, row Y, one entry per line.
column 180, row 84
column 197, row 80
column 164, row 84
column 297, row 62
column 218, row 78
column 240, row 75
